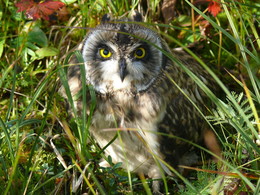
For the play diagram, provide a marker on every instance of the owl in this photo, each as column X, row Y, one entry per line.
column 144, row 115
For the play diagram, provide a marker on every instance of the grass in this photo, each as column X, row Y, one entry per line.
column 43, row 152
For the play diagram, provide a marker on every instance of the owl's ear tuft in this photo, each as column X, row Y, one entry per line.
column 106, row 18
column 137, row 16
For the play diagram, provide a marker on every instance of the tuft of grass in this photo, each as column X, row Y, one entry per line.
column 45, row 151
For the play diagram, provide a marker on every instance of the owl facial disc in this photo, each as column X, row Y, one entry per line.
column 121, row 56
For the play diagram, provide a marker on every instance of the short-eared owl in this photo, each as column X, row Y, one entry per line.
column 142, row 95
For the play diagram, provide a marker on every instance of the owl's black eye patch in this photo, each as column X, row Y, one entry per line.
column 104, row 52
column 141, row 53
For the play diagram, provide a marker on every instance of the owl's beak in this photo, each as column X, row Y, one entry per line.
column 122, row 69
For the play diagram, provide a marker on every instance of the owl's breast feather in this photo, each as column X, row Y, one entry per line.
column 134, row 120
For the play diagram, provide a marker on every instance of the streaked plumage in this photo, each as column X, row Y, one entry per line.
column 134, row 93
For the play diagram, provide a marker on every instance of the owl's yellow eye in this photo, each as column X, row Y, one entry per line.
column 105, row 53
column 139, row 53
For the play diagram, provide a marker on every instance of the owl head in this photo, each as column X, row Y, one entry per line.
column 122, row 55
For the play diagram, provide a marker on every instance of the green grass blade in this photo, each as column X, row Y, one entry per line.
column 12, row 95
column 7, row 139
column 236, row 40
column 243, row 51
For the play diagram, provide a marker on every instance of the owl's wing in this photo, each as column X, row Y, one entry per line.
column 183, row 121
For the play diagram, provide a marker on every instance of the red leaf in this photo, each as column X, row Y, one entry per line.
column 214, row 8
column 33, row 13
column 54, row 5
column 34, row 9
column 24, row 5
